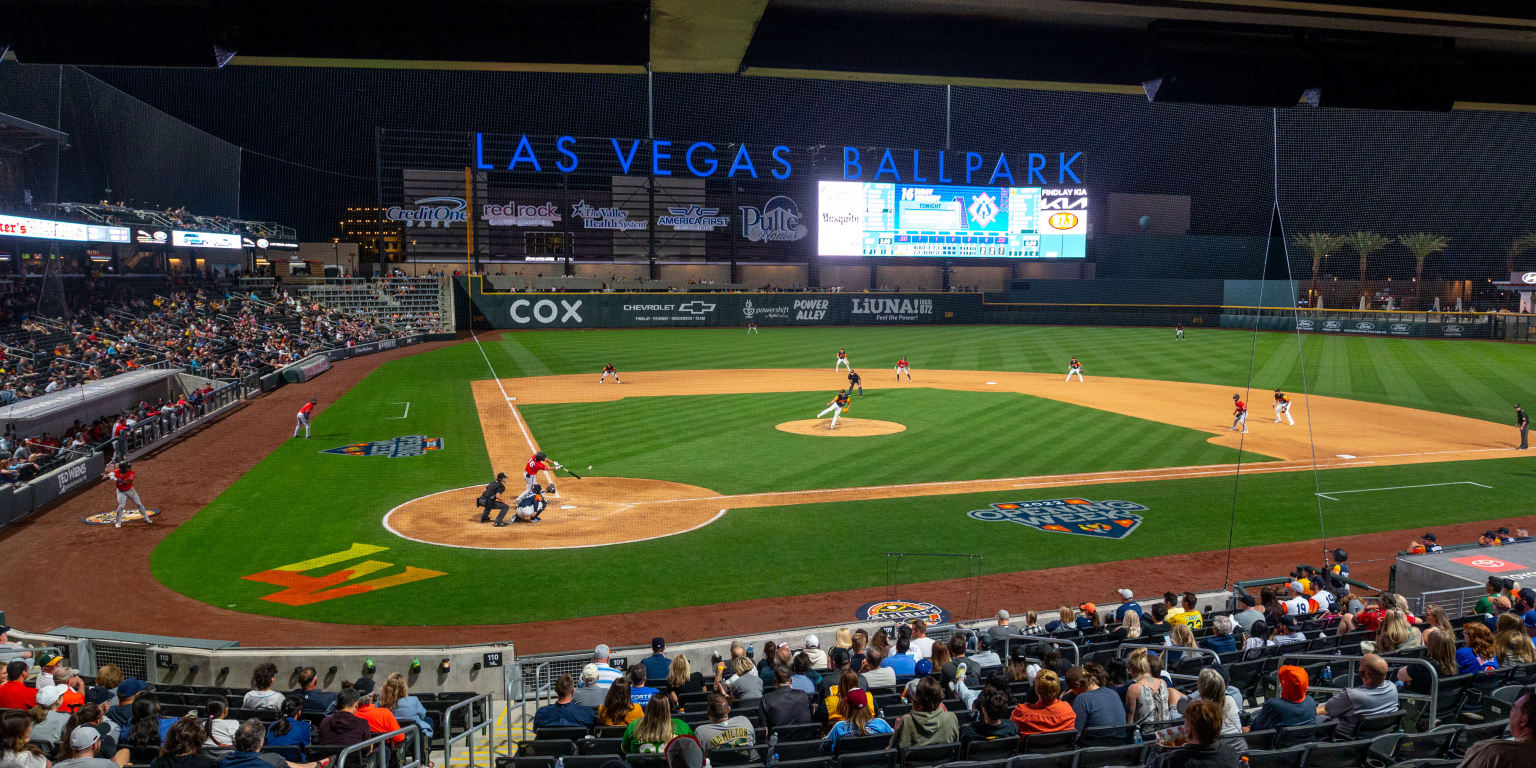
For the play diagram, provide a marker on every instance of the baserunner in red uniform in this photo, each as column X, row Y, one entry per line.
column 536, row 465
column 122, row 476
column 304, row 414
column 1239, row 414
column 901, row 367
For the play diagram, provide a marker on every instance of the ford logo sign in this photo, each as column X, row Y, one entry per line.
column 1304, row 324
column 1362, row 326
column 1333, row 325
column 1399, row 327
column 1528, row 278
column 1453, row 329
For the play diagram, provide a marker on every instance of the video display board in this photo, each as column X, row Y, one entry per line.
column 950, row 221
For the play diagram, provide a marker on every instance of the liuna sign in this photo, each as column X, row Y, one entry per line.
column 703, row 159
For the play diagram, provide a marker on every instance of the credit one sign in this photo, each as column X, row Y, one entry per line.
column 185, row 239
column 47, row 229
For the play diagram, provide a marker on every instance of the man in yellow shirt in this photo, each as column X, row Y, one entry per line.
column 1190, row 616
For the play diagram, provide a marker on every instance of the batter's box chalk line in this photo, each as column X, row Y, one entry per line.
column 1347, row 456
column 568, row 506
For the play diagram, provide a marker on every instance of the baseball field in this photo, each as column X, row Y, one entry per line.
column 698, row 490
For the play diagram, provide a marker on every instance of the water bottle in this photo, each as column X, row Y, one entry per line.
column 773, row 760
column 559, row 762
column 751, row 650
column 1136, row 734
column 1328, row 673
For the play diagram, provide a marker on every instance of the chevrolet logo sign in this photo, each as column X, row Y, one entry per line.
column 695, row 307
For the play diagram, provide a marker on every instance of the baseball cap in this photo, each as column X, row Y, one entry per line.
column 1246, row 599
column 685, row 752
column 98, row 695
column 83, row 737
column 1293, row 683
column 1528, row 596
column 1295, row 586
column 1088, row 608
column 812, row 641
column 48, row 696
column 658, row 643
column 602, row 651
column 48, row 659
column 501, row 475
column 130, row 687
column 363, row 685
column 589, row 673
column 1125, row 594
column 858, row 698
column 1429, row 537
column 1289, row 622
column 922, row 668
column 1530, row 618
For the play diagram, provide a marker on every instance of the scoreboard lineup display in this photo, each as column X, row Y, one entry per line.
column 951, row 221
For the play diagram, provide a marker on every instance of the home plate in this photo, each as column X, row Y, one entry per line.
column 1346, row 456
column 568, row 506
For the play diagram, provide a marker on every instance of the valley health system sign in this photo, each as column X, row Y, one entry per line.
column 665, row 157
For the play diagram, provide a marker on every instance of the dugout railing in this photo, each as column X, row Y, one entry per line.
column 378, row 752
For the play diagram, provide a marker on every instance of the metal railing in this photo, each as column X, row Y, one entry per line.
column 377, row 750
column 1457, row 601
column 141, row 437
column 521, row 694
column 1031, row 640
column 472, row 707
column 1352, row 664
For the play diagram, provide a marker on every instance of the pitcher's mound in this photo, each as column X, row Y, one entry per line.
column 845, row 427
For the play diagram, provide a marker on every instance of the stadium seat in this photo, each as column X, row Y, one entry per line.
column 1378, row 725
column 796, row 732
column 525, row 762
column 881, row 758
column 989, row 750
column 1449, row 697
column 1044, row 743
column 1496, row 705
column 1290, row 757
column 929, row 754
column 646, row 760
column 872, row 743
column 815, row 762
column 748, row 756
column 1056, row 760
column 1472, row 734
column 568, row 733
column 547, row 747
column 1261, row 739
column 979, row 764
column 1420, row 746
column 1339, row 754
column 587, row 761
column 605, row 746
column 1107, row 736
column 1103, row 757
column 1302, row 734
column 611, row 731
column 799, row 750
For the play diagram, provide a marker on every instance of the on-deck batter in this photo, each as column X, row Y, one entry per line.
column 836, row 407
column 122, row 476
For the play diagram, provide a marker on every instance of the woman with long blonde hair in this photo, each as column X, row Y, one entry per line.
column 654, row 729
column 1130, row 627
column 1435, row 621
column 1511, row 644
column 842, row 638
column 1395, row 634
column 682, row 679
column 396, row 698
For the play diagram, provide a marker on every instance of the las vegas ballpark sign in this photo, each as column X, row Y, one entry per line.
column 1103, row 519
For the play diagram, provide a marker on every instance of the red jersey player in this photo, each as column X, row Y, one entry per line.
column 901, row 367
column 304, row 414
column 122, row 476
column 536, row 465
column 1239, row 414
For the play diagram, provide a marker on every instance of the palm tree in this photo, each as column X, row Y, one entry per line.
column 1365, row 244
column 1421, row 245
column 1521, row 244
column 1318, row 244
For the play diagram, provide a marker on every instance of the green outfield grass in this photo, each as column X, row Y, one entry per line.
column 298, row 503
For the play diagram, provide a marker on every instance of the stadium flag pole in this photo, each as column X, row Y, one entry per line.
column 469, row 224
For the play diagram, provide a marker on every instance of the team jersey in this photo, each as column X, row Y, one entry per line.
column 611, row 369
column 492, row 490
column 308, row 407
column 1192, row 619
column 853, row 378
column 123, row 479
column 841, row 356
column 902, row 363
column 534, row 466
column 1075, row 363
column 1281, row 398
column 842, row 400
column 1241, row 407
column 530, row 499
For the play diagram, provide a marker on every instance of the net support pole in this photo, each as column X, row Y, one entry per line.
column 469, row 223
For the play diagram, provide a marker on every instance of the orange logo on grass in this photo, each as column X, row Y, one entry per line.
column 302, row 589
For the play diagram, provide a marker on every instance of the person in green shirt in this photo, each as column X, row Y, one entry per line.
column 654, row 729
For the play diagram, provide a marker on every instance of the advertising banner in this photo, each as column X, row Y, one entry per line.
column 185, row 239
column 306, row 369
column 1346, row 326
column 640, row 310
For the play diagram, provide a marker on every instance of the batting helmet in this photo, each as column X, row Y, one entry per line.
column 125, row 465
column 1339, row 555
column 1235, row 397
column 539, row 455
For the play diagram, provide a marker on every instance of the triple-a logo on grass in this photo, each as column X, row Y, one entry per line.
column 1111, row 519
column 902, row 611
column 395, row 448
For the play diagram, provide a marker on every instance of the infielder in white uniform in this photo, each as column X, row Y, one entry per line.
column 609, row 370
column 835, row 407
column 1074, row 367
column 1283, row 408
column 842, row 361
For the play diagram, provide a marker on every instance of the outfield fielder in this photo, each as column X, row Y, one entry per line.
column 304, row 414
column 842, row 361
column 836, row 407
column 1074, row 367
column 1239, row 414
column 122, row 476
column 1283, row 408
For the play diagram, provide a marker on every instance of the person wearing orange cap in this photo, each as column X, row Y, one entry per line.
column 1292, row 707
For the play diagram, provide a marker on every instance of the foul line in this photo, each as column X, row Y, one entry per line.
column 1329, row 496
column 532, row 448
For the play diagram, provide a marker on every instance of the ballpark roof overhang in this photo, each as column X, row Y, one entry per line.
column 1087, row 45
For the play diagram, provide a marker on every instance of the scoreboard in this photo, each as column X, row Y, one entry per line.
column 949, row 221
